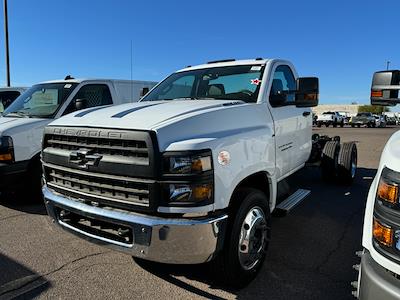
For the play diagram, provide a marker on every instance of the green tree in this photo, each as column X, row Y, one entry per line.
column 375, row 109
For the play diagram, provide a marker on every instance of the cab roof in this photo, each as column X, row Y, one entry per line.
column 228, row 63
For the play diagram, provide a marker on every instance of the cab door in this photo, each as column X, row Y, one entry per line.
column 292, row 125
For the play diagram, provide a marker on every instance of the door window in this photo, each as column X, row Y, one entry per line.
column 283, row 81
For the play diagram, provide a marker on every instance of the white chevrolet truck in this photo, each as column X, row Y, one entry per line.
column 328, row 118
column 192, row 172
column 379, row 271
column 22, row 123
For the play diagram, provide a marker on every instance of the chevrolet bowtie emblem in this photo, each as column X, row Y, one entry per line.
column 84, row 158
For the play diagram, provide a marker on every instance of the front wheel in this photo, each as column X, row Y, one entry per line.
column 247, row 238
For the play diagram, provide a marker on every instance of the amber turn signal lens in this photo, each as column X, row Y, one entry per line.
column 202, row 192
column 383, row 234
column 376, row 93
column 6, row 157
column 388, row 192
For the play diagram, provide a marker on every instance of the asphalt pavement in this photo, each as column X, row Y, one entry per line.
column 310, row 256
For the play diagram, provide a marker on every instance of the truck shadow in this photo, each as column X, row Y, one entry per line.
column 18, row 282
column 15, row 201
column 312, row 249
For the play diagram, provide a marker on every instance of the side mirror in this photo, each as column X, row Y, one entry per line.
column 80, row 104
column 144, row 91
column 278, row 99
column 385, row 88
column 307, row 91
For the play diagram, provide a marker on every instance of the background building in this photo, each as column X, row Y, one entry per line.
column 352, row 109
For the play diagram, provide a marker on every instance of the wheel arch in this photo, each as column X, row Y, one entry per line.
column 261, row 181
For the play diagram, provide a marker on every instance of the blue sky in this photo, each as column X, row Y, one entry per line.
column 341, row 42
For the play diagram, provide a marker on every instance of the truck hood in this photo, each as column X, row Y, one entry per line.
column 9, row 126
column 148, row 115
column 194, row 123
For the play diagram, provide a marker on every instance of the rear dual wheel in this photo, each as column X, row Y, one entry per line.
column 347, row 163
column 339, row 162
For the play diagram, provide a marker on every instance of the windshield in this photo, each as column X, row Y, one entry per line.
column 363, row 115
column 228, row 83
column 328, row 113
column 41, row 100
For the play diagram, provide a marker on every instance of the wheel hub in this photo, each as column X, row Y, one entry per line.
column 253, row 238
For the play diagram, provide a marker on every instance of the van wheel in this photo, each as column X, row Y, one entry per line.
column 358, row 125
column 347, row 163
column 352, row 125
column 329, row 161
column 246, row 240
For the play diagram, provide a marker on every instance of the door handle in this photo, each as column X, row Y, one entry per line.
column 306, row 113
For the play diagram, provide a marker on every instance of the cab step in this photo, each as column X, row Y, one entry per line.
column 290, row 202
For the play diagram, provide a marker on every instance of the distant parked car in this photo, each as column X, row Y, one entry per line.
column 330, row 118
column 8, row 95
column 391, row 121
column 363, row 118
column 380, row 121
column 346, row 116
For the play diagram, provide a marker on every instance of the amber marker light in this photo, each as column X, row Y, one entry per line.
column 376, row 93
column 383, row 234
column 388, row 192
column 6, row 157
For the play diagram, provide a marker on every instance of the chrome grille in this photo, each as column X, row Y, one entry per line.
column 98, row 187
column 105, row 146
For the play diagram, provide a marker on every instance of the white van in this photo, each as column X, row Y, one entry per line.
column 8, row 95
column 22, row 123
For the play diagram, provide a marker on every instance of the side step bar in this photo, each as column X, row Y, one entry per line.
column 290, row 202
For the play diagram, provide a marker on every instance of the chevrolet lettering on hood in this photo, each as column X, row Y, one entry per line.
column 88, row 132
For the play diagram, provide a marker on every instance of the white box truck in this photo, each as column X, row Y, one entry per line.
column 22, row 122
column 192, row 172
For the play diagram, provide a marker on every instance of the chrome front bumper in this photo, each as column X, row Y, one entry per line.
column 376, row 282
column 166, row 240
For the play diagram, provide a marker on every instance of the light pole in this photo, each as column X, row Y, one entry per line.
column 6, row 40
column 387, row 64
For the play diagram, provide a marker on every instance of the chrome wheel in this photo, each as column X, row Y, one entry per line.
column 253, row 238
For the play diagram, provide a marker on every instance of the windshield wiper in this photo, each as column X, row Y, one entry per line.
column 17, row 114
column 192, row 98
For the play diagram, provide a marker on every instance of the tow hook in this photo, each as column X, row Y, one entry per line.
column 355, row 284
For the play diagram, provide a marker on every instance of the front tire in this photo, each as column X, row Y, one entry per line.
column 247, row 238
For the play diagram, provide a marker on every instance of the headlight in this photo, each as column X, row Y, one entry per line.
column 188, row 178
column 187, row 163
column 190, row 193
column 6, row 149
column 385, row 227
